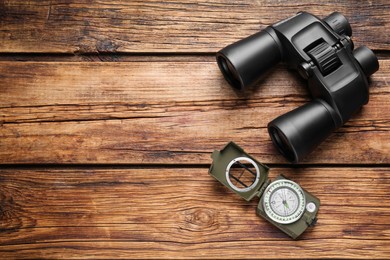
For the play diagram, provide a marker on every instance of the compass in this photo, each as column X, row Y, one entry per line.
column 284, row 201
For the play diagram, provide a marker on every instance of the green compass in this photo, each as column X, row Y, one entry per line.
column 282, row 202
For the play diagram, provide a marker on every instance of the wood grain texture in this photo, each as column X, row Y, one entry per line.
column 109, row 111
column 167, row 26
column 178, row 212
column 164, row 112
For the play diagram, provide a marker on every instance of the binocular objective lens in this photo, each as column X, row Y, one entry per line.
column 282, row 144
column 229, row 72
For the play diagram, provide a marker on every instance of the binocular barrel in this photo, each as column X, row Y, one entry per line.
column 296, row 133
column 244, row 62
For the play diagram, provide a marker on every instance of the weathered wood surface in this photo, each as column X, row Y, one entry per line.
column 182, row 212
column 164, row 112
column 143, row 96
column 167, row 26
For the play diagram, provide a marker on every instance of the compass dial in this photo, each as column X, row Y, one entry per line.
column 284, row 201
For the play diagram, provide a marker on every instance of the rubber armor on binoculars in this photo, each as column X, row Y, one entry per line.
column 323, row 54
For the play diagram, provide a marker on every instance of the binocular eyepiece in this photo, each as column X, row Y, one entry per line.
column 322, row 52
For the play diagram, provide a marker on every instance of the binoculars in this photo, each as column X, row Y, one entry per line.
column 323, row 54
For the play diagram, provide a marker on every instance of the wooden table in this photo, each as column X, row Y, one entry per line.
column 110, row 111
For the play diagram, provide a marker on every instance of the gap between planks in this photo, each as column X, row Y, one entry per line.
column 123, row 166
column 127, row 57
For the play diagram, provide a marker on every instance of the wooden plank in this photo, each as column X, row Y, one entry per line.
column 179, row 212
column 161, row 26
column 109, row 113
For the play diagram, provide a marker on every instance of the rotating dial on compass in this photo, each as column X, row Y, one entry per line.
column 284, row 201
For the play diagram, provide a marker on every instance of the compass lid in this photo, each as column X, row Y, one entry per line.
column 238, row 171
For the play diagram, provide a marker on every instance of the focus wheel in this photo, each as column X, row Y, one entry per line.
column 325, row 57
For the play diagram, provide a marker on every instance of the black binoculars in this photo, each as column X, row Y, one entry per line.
column 323, row 53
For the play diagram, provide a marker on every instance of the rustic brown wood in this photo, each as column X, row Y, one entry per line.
column 164, row 112
column 167, row 26
column 132, row 90
column 178, row 212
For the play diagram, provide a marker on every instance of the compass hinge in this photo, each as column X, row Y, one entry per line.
column 262, row 188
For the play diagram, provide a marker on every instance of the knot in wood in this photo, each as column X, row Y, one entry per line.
column 201, row 217
column 12, row 216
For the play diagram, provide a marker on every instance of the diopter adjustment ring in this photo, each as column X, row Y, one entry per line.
column 325, row 57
